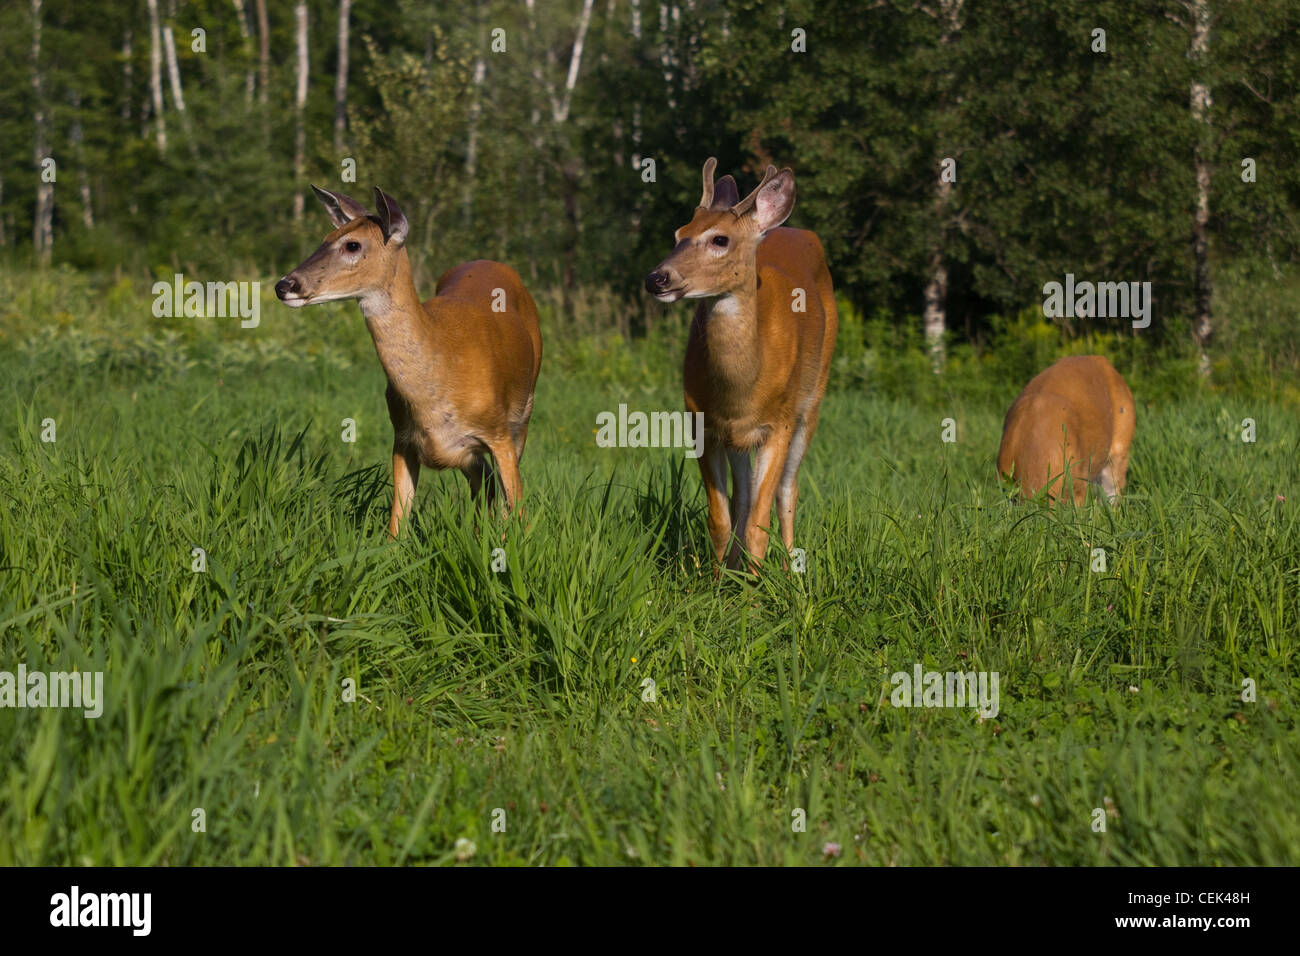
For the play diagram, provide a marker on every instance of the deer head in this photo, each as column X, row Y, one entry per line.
column 716, row 250
column 357, row 260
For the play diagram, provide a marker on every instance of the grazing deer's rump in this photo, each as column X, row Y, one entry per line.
column 758, row 354
column 461, row 366
column 1078, row 413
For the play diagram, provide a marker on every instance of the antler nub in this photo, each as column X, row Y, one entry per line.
column 706, row 200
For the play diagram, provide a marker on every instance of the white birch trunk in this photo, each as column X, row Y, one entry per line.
column 300, row 100
column 471, row 144
column 75, row 139
column 935, row 313
column 264, row 53
column 128, row 78
column 250, row 82
column 561, row 109
column 1202, row 321
column 341, row 79
column 173, row 68
column 43, row 221
column 155, row 76
column 936, row 287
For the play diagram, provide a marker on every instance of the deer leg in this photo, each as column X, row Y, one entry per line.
column 1118, row 469
column 769, row 465
column 787, row 490
column 742, row 499
column 1112, row 477
column 406, row 472
column 507, row 468
column 474, row 473
column 1077, row 466
column 713, row 469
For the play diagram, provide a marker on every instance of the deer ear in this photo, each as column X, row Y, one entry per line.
column 772, row 202
column 391, row 218
column 725, row 193
column 342, row 209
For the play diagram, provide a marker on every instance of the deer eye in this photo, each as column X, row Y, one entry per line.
column 721, row 241
column 352, row 246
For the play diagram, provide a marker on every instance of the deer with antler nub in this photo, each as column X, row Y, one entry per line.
column 758, row 355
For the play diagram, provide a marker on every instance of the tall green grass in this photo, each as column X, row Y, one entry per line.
column 522, row 691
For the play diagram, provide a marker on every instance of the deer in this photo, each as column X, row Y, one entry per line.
column 758, row 353
column 461, row 367
column 1076, row 416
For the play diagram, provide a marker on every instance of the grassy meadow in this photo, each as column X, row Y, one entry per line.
column 518, row 697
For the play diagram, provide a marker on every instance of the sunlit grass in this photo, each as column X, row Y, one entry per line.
column 517, row 696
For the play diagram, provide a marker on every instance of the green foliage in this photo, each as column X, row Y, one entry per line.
column 1068, row 159
column 522, row 690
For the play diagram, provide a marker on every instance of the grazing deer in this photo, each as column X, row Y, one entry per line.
column 758, row 354
column 1077, row 414
column 461, row 367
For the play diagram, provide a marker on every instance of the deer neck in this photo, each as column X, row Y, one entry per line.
column 733, row 340
column 400, row 329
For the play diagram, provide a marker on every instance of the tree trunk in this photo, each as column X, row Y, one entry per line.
column 249, row 81
column 575, row 62
column 341, row 79
column 300, row 100
column 572, row 181
column 638, row 206
column 128, row 78
column 174, row 73
column 471, row 143
column 43, row 221
column 936, row 287
column 935, row 313
column 75, row 139
column 264, row 53
column 155, row 75
column 666, row 59
column 1202, row 321
column 571, row 173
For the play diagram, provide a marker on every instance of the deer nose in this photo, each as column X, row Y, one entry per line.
column 656, row 282
column 287, row 285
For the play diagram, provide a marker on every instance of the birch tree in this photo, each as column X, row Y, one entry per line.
column 242, row 17
column 263, row 52
column 299, row 101
column 75, row 138
column 43, row 221
column 155, row 75
column 475, row 115
column 174, row 75
column 949, row 14
column 567, row 162
column 1197, row 22
column 341, row 79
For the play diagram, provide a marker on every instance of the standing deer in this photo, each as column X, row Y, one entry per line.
column 758, row 354
column 1076, row 414
column 461, row 367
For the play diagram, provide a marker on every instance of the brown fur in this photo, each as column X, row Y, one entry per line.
column 756, row 368
column 1078, row 412
column 460, row 375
